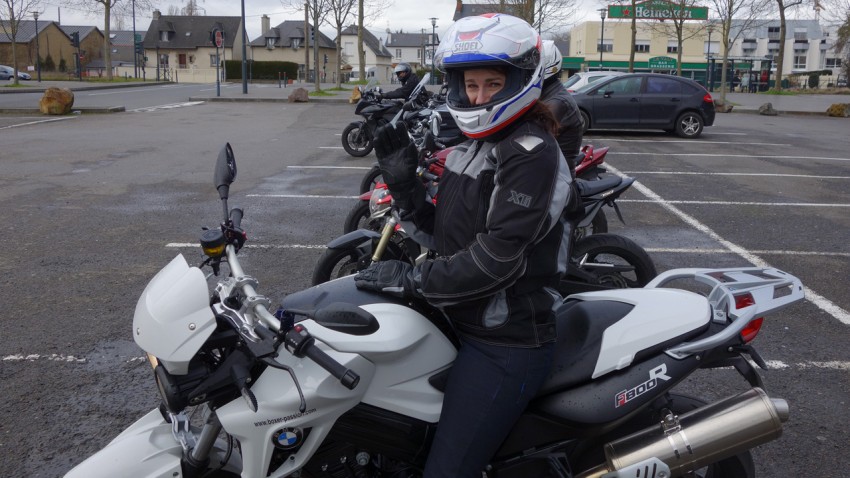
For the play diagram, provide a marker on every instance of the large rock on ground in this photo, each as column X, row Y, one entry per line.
column 767, row 110
column 841, row 110
column 56, row 101
column 355, row 95
column 299, row 96
column 721, row 106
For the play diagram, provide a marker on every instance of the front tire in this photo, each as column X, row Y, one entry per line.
column 689, row 125
column 610, row 262
column 359, row 217
column 356, row 140
column 336, row 263
column 372, row 177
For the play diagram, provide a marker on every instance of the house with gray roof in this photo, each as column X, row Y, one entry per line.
column 286, row 42
column 414, row 48
column 379, row 61
column 181, row 47
column 52, row 42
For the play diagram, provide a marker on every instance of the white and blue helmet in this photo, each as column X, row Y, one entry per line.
column 551, row 59
column 493, row 40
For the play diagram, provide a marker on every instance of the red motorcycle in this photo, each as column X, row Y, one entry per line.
column 363, row 214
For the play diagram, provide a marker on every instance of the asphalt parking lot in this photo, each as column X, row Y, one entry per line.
column 95, row 205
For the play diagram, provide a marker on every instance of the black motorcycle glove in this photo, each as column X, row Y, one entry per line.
column 398, row 159
column 390, row 277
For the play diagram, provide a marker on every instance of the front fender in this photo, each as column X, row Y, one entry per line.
column 147, row 449
column 354, row 238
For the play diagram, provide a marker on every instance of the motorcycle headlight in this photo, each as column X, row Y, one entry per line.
column 380, row 201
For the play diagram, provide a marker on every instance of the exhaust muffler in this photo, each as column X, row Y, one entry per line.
column 700, row 437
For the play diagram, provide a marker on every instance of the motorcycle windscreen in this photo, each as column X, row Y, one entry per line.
column 173, row 318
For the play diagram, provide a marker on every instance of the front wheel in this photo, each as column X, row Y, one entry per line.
column 336, row 263
column 607, row 261
column 372, row 177
column 359, row 217
column 689, row 125
column 356, row 140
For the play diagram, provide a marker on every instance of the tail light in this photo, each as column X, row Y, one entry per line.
column 751, row 330
column 707, row 98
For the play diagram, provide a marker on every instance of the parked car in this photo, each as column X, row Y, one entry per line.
column 584, row 78
column 647, row 101
column 7, row 72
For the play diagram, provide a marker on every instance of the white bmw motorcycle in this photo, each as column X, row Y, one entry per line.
column 340, row 382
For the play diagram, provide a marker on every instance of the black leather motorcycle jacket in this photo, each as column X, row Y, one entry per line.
column 407, row 86
column 498, row 230
column 565, row 109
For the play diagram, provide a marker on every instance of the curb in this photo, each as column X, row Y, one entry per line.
column 755, row 111
column 79, row 110
column 232, row 99
column 83, row 87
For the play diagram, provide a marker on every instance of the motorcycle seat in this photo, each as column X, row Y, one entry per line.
column 592, row 188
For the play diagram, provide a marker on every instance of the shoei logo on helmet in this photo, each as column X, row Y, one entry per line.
column 467, row 41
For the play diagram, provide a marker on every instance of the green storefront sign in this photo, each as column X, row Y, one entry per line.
column 662, row 63
column 659, row 10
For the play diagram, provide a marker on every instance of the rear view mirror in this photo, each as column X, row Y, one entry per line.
column 225, row 171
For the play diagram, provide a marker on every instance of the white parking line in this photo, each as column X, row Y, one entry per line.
column 821, row 302
column 331, row 147
column 37, row 122
column 745, row 156
column 171, row 106
column 691, row 173
column 738, row 203
column 772, row 364
column 363, row 168
column 299, row 196
column 691, row 141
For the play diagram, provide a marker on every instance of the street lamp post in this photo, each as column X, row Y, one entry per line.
column 244, row 53
column 602, row 13
column 709, row 70
column 433, row 45
column 135, row 53
column 37, row 49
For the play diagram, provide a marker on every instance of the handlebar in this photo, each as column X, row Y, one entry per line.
column 297, row 340
column 236, row 215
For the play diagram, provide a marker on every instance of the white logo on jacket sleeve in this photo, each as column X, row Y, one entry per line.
column 520, row 199
column 528, row 143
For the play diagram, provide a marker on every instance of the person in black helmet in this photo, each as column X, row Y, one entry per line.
column 563, row 106
column 408, row 80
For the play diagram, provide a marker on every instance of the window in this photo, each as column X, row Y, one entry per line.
column 418, row 54
column 623, row 86
column 270, row 43
column 641, row 46
column 163, row 36
column 799, row 62
column 398, row 52
column 672, row 46
column 607, row 46
column 663, row 86
column 833, row 63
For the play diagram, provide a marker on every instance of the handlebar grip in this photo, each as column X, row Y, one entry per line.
column 236, row 216
column 347, row 377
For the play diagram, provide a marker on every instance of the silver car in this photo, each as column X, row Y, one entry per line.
column 7, row 72
column 584, row 78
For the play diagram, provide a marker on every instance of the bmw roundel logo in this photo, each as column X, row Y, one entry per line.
column 287, row 438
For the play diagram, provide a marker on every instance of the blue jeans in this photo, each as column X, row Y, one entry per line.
column 488, row 388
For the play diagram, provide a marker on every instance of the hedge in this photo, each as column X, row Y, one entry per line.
column 261, row 70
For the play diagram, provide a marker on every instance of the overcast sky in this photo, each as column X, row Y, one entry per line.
column 407, row 15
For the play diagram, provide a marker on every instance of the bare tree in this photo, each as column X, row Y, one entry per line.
column 675, row 26
column 746, row 14
column 545, row 16
column 784, row 5
column 340, row 12
column 839, row 12
column 110, row 8
column 11, row 14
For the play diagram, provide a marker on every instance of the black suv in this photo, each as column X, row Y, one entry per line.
column 646, row 101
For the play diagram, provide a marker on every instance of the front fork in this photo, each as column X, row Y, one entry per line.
column 196, row 452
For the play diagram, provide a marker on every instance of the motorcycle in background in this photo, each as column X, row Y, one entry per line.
column 349, row 383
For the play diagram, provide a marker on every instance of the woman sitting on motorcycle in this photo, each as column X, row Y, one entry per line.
column 498, row 230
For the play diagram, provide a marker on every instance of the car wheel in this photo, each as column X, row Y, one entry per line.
column 689, row 125
column 585, row 121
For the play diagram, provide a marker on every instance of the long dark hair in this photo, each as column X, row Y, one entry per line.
column 543, row 116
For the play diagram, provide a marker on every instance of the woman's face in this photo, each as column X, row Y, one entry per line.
column 482, row 83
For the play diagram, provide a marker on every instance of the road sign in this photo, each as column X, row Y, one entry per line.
column 219, row 38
